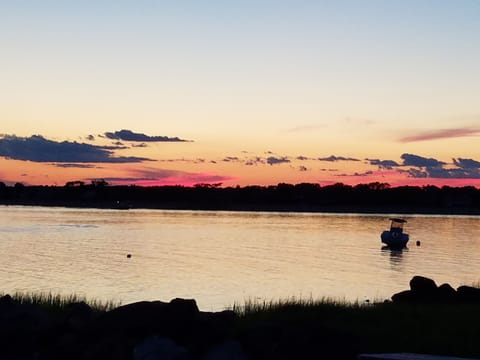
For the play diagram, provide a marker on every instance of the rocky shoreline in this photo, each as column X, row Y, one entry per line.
column 423, row 289
column 151, row 330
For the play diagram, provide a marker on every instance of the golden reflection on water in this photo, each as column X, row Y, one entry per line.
column 220, row 258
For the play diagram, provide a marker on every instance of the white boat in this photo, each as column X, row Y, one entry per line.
column 395, row 237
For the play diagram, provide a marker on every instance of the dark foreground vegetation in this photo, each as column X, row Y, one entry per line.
column 373, row 197
column 427, row 319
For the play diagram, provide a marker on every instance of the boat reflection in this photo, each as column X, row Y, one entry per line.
column 395, row 255
column 394, row 250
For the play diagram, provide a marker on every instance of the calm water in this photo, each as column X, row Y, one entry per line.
column 220, row 258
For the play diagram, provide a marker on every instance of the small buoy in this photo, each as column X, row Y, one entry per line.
column 129, row 256
column 418, row 242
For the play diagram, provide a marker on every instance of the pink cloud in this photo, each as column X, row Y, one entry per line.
column 167, row 177
column 442, row 134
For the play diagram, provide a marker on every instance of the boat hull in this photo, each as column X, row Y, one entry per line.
column 394, row 239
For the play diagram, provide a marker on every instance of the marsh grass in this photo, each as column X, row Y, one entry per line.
column 294, row 305
column 430, row 328
column 434, row 328
column 58, row 302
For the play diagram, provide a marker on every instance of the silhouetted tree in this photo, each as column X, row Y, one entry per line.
column 99, row 183
column 74, row 183
column 19, row 186
column 281, row 197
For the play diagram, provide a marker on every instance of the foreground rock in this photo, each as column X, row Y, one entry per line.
column 425, row 290
column 153, row 330
column 143, row 330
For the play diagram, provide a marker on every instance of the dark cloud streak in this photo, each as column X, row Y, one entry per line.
column 420, row 161
column 333, row 158
column 79, row 166
column 128, row 135
column 432, row 168
column 467, row 163
column 271, row 160
column 38, row 149
column 383, row 164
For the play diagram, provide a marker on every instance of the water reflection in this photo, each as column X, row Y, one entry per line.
column 395, row 256
column 220, row 258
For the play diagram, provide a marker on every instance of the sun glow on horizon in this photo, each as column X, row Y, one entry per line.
column 256, row 94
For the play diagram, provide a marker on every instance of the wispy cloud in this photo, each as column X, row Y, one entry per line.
column 467, row 163
column 272, row 160
column 443, row 173
column 420, row 161
column 333, row 158
column 38, row 149
column 231, row 159
column 383, row 164
column 356, row 174
column 128, row 135
column 78, row 166
column 422, row 167
column 442, row 134
column 254, row 161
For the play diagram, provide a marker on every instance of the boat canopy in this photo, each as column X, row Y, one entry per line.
column 397, row 224
column 399, row 220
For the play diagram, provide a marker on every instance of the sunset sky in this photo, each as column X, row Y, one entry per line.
column 240, row 92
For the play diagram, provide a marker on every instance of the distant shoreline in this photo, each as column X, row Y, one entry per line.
column 273, row 209
column 308, row 198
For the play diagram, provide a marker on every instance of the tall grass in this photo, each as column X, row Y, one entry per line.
column 431, row 328
column 252, row 307
column 59, row 302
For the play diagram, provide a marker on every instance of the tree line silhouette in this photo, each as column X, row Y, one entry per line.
column 371, row 197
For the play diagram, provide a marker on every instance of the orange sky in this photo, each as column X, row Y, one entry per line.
column 264, row 91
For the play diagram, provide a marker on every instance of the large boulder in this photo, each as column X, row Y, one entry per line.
column 89, row 335
column 423, row 289
column 423, row 285
column 141, row 319
column 446, row 293
column 405, row 296
column 468, row 294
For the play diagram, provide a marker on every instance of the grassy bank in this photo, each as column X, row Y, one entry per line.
column 54, row 303
column 442, row 329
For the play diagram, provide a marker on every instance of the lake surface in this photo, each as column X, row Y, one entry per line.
column 219, row 258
